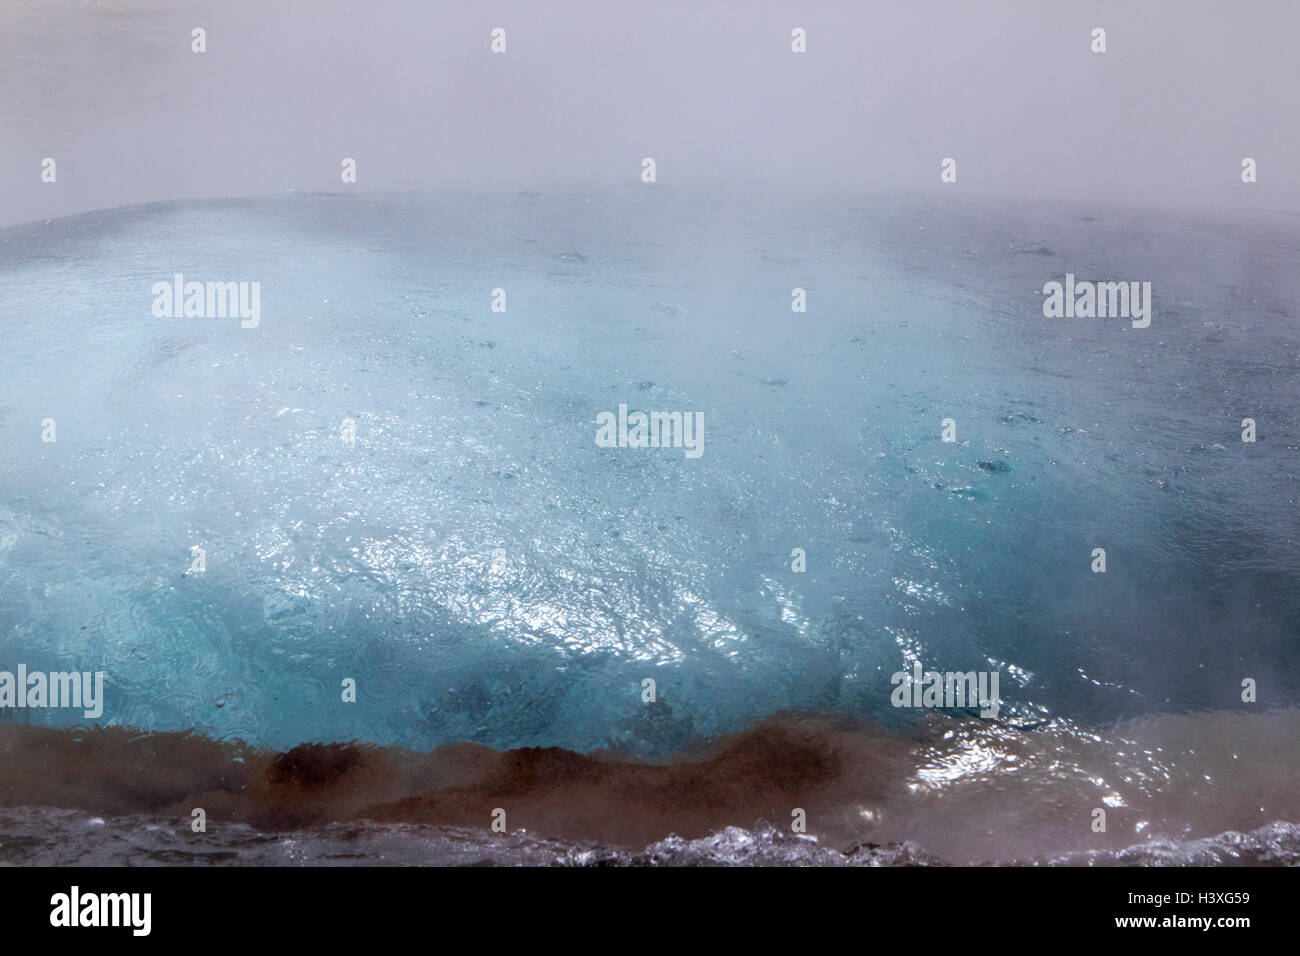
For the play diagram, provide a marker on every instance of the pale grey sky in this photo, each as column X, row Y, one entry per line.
column 709, row 88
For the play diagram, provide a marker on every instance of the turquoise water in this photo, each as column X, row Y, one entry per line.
column 378, row 560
